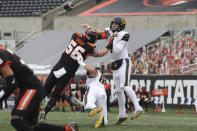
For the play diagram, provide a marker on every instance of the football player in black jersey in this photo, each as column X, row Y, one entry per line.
column 25, row 113
column 66, row 67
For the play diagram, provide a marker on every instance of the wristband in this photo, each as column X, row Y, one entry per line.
column 82, row 63
column 109, row 46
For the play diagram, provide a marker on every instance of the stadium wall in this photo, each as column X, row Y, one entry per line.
column 28, row 24
column 48, row 22
column 176, row 22
column 178, row 88
column 23, row 24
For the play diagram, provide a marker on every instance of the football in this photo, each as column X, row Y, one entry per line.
column 68, row 6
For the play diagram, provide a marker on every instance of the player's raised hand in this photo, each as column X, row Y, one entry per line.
column 85, row 26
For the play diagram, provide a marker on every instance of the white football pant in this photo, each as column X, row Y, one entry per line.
column 96, row 97
column 121, row 79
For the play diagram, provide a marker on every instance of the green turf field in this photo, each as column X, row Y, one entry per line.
column 154, row 121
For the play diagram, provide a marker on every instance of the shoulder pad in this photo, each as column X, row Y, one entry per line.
column 126, row 37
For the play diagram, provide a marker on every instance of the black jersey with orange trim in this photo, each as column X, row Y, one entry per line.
column 20, row 70
column 77, row 46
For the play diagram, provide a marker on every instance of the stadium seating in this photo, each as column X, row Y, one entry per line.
column 27, row 7
column 175, row 58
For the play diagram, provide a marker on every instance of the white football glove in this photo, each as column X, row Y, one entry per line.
column 75, row 101
column 80, row 61
column 2, row 93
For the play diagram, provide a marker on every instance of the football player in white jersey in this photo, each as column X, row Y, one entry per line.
column 95, row 99
column 121, row 66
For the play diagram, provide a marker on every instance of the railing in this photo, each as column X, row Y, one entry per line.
column 178, row 36
column 192, row 68
column 28, row 37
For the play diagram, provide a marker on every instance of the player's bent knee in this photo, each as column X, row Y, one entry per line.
column 15, row 122
column 90, row 107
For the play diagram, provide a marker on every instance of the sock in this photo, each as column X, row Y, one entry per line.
column 20, row 125
column 47, row 109
column 50, row 105
column 133, row 97
column 121, row 103
column 49, row 127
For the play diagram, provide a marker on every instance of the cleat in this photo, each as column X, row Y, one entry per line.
column 95, row 111
column 121, row 120
column 100, row 121
column 137, row 114
column 42, row 117
column 73, row 126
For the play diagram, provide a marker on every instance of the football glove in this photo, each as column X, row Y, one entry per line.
column 75, row 101
column 80, row 61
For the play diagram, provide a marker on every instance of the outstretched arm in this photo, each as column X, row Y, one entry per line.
column 103, row 52
column 86, row 26
column 99, row 53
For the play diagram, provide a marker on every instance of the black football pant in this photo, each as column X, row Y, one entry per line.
column 59, row 84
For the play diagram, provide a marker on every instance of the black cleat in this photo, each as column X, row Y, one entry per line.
column 42, row 117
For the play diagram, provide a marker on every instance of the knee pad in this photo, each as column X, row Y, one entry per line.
column 20, row 125
column 15, row 122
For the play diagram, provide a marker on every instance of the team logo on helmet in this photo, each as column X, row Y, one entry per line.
column 123, row 21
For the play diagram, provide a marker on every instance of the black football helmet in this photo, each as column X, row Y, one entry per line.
column 90, row 36
column 120, row 21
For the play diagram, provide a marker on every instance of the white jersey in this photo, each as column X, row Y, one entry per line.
column 119, row 46
column 97, row 81
column 95, row 95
